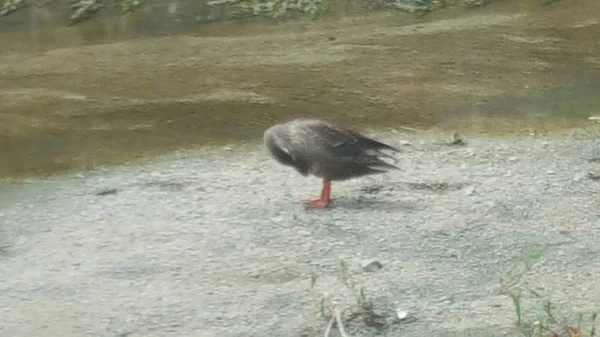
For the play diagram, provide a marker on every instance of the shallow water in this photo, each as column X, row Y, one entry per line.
column 499, row 70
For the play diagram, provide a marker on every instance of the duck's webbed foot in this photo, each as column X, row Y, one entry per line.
column 317, row 203
column 324, row 200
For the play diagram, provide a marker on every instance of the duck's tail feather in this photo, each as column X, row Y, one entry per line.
column 370, row 143
column 378, row 163
column 383, row 154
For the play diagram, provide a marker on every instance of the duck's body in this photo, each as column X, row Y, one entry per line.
column 325, row 150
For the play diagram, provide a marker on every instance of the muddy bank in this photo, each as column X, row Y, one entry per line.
column 218, row 244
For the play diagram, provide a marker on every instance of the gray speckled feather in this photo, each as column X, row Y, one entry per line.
column 325, row 149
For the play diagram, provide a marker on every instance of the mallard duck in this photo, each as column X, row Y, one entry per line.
column 325, row 150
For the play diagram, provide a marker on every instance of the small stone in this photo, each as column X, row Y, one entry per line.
column 402, row 314
column 107, row 191
column 371, row 266
column 469, row 190
column 453, row 253
column 456, row 139
column 513, row 158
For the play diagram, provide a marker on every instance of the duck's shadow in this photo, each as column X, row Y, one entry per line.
column 362, row 202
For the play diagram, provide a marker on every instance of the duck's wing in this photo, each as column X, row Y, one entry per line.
column 332, row 139
column 335, row 141
column 308, row 141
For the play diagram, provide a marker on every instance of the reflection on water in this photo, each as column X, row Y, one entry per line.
column 73, row 104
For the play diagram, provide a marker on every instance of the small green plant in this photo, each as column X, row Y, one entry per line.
column 4, row 247
column 10, row 6
column 512, row 278
column 546, row 324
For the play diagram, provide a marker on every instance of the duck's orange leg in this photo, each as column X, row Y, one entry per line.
column 324, row 200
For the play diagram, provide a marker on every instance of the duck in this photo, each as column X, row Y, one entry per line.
column 327, row 151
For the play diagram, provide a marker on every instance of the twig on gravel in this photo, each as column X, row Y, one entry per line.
column 335, row 317
column 409, row 128
column 338, row 320
column 329, row 325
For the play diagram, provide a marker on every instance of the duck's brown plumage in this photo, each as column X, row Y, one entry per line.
column 325, row 150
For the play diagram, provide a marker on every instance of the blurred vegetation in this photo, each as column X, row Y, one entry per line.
column 80, row 10
column 10, row 6
column 551, row 321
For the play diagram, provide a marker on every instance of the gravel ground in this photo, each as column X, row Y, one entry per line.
column 218, row 244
